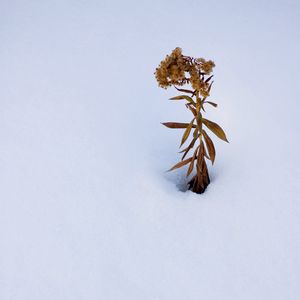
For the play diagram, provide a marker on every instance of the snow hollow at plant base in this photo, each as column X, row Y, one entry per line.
column 177, row 70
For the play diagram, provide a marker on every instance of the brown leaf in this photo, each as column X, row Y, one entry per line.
column 209, row 78
column 184, row 90
column 183, row 97
column 176, row 125
column 181, row 164
column 190, row 146
column 187, row 132
column 199, row 121
column 212, row 103
column 195, row 133
column 210, row 146
column 200, row 157
column 193, row 110
column 191, row 166
column 210, row 87
column 202, row 106
column 205, row 154
column 216, row 129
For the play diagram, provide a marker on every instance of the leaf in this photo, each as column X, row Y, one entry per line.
column 193, row 110
column 187, row 133
column 190, row 146
column 216, row 129
column 210, row 146
column 199, row 122
column 209, row 78
column 183, row 97
column 200, row 157
column 195, row 133
column 210, row 87
column 184, row 90
column 191, row 166
column 212, row 103
column 202, row 106
column 176, row 125
column 180, row 164
column 205, row 154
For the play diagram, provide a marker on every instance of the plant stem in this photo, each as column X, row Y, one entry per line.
column 199, row 115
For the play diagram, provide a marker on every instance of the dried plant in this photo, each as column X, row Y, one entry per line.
column 178, row 70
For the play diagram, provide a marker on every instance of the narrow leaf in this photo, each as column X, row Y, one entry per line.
column 195, row 133
column 176, row 125
column 205, row 154
column 190, row 146
column 199, row 122
column 200, row 157
column 187, row 133
column 184, row 90
column 212, row 103
column 216, row 129
column 183, row 97
column 180, row 164
column 202, row 106
column 193, row 110
column 210, row 146
column 209, row 78
column 191, row 166
column 210, row 87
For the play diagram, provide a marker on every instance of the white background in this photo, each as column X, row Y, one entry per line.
column 86, row 208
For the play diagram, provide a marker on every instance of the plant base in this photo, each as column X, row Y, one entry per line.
column 200, row 181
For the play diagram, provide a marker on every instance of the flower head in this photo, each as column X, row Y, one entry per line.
column 172, row 71
column 205, row 66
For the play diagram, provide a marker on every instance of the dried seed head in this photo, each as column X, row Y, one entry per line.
column 205, row 66
column 172, row 71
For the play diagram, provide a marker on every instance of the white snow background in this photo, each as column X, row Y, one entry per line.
column 86, row 208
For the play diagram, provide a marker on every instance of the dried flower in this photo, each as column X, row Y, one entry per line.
column 171, row 70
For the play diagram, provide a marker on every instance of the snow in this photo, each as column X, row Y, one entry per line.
column 87, row 209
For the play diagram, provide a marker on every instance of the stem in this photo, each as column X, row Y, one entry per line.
column 199, row 115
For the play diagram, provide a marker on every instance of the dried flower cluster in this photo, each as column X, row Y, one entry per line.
column 175, row 68
column 178, row 70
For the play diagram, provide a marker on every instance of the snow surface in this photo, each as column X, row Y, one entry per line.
column 87, row 210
